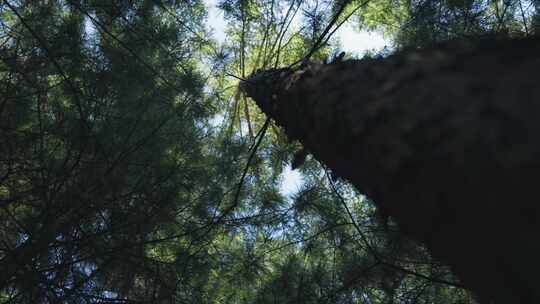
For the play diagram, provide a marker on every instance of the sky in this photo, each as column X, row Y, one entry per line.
column 352, row 42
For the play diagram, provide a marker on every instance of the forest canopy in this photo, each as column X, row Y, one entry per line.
column 134, row 170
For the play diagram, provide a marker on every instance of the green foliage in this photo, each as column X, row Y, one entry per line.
column 99, row 129
column 423, row 23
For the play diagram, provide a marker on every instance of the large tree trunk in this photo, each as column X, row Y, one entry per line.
column 446, row 141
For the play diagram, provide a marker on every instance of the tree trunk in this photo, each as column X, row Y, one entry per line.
column 446, row 141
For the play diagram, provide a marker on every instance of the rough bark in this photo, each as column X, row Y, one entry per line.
column 446, row 141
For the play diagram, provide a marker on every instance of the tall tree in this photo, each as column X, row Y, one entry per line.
column 443, row 140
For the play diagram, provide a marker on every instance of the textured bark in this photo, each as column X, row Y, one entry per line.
column 446, row 141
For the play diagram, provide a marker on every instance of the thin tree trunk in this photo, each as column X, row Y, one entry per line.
column 446, row 141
